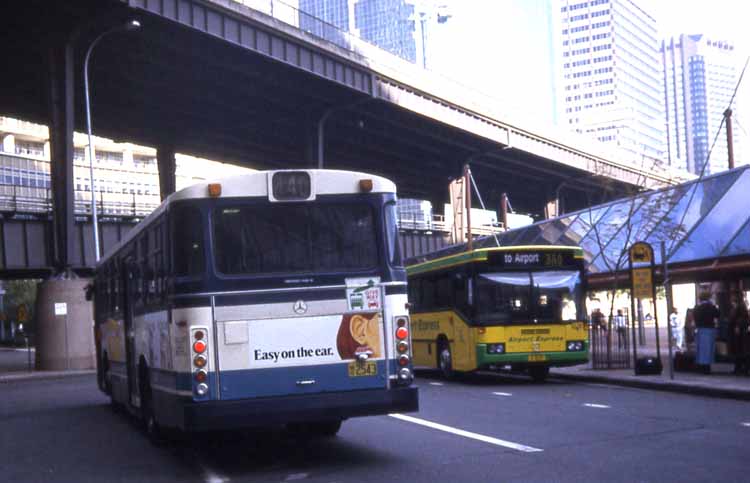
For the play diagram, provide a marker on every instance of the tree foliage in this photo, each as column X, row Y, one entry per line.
column 18, row 292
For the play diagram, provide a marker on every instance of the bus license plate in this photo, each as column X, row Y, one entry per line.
column 357, row 369
column 537, row 357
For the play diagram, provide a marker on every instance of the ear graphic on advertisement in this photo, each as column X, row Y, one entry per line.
column 358, row 328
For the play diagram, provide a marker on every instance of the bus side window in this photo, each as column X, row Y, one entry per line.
column 428, row 293
column 444, row 288
column 414, row 293
column 460, row 293
column 187, row 235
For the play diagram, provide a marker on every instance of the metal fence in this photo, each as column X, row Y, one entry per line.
column 610, row 345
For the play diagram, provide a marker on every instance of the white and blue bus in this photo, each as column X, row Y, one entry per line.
column 277, row 297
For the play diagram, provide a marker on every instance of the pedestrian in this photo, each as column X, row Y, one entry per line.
column 678, row 329
column 706, row 319
column 739, row 336
column 597, row 320
column 621, row 326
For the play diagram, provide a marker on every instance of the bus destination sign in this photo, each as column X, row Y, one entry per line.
column 545, row 259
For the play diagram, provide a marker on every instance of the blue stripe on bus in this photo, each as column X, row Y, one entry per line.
column 283, row 381
column 280, row 297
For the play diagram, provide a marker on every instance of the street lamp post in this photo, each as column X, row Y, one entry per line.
column 130, row 25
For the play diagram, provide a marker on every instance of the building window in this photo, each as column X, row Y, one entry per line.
column 30, row 148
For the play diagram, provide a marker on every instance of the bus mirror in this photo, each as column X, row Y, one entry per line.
column 89, row 292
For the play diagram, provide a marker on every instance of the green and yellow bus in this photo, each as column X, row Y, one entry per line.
column 518, row 307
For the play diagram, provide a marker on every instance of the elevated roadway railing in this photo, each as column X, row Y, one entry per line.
column 25, row 188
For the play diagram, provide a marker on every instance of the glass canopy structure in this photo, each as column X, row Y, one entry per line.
column 701, row 222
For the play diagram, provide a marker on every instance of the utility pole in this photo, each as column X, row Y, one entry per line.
column 730, row 146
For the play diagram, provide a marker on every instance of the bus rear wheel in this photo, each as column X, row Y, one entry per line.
column 445, row 359
column 539, row 373
column 316, row 429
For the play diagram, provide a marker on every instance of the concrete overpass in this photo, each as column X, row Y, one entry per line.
column 217, row 79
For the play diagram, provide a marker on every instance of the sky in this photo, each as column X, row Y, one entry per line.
column 501, row 47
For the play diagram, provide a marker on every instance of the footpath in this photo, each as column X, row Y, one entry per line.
column 721, row 382
column 14, row 366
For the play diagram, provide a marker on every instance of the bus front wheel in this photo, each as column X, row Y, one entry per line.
column 539, row 373
column 445, row 359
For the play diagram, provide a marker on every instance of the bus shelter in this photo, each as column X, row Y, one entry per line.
column 703, row 226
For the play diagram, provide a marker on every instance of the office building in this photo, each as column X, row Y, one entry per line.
column 388, row 24
column 609, row 75
column 700, row 75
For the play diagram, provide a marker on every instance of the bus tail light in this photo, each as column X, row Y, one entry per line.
column 404, row 374
column 199, row 346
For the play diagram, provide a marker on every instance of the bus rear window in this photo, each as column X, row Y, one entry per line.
column 293, row 238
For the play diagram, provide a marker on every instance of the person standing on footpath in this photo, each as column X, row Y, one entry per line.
column 678, row 329
column 739, row 336
column 621, row 326
column 706, row 320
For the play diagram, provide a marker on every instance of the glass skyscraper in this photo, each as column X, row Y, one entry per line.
column 700, row 75
column 388, row 24
column 609, row 75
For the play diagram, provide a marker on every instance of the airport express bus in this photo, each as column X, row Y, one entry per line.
column 271, row 298
column 518, row 307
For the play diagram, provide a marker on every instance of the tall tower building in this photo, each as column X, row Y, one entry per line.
column 609, row 75
column 700, row 75
column 389, row 24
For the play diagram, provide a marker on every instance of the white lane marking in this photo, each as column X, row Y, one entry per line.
column 211, row 477
column 502, row 394
column 436, row 384
column 600, row 406
column 466, row 434
column 296, row 476
column 746, row 425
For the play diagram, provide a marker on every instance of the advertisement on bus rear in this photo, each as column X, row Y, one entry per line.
column 315, row 340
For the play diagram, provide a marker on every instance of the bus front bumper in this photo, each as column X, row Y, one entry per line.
column 271, row 411
column 522, row 359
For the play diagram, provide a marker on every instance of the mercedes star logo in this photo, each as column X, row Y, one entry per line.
column 300, row 307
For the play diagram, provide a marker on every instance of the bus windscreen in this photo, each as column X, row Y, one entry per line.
column 522, row 297
column 294, row 238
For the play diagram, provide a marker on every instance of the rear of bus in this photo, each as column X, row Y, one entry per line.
column 300, row 313
column 529, row 309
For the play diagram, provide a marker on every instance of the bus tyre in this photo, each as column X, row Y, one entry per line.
column 150, row 424
column 445, row 359
column 325, row 429
column 539, row 373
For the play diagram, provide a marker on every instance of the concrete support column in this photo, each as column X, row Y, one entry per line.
column 62, row 116
column 167, row 165
column 64, row 332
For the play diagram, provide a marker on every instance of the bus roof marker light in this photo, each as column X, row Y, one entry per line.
column 214, row 190
column 365, row 185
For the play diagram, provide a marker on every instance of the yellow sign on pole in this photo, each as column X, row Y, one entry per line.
column 641, row 253
column 642, row 283
column 22, row 313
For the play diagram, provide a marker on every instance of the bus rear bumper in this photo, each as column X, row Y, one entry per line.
column 271, row 411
